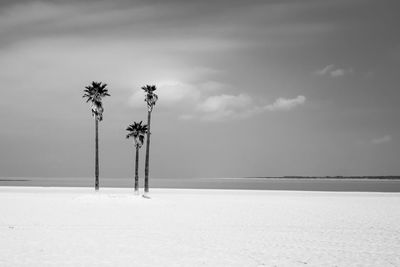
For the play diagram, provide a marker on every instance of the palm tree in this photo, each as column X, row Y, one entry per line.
column 94, row 94
column 137, row 131
column 151, row 99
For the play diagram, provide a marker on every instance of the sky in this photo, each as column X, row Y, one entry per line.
column 246, row 88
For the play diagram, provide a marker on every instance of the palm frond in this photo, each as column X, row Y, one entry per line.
column 137, row 131
column 94, row 93
column 96, row 90
column 130, row 128
column 149, row 88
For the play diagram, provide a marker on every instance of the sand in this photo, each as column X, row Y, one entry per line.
column 113, row 227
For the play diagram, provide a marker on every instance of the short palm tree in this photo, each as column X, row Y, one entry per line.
column 94, row 94
column 151, row 99
column 137, row 131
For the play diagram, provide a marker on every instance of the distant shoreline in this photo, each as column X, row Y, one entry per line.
column 297, row 183
column 390, row 177
column 329, row 177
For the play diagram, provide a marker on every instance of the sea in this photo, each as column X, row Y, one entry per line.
column 276, row 183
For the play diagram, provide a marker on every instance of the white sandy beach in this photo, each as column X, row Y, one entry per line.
column 113, row 227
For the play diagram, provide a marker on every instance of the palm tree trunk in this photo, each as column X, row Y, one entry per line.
column 137, row 171
column 96, row 184
column 146, row 170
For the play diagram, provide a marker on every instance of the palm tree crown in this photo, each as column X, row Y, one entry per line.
column 151, row 98
column 137, row 131
column 94, row 93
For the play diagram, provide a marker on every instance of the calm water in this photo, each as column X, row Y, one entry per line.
column 303, row 184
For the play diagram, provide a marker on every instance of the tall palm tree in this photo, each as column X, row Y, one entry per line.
column 137, row 131
column 151, row 99
column 94, row 94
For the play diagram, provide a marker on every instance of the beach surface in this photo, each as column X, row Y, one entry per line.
column 193, row 227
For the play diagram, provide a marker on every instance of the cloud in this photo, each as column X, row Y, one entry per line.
column 286, row 103
column 223, row 102
column 382, row 140
column 224, row 106
column 337, row 72
column 232, row 107
column 324, row 70
column 333, row 71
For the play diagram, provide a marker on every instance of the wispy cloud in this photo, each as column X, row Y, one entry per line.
column 223, row 102
column 232, row 107
column 224, row 106
column 286, row 103
column 381, row 140
column 333, row 71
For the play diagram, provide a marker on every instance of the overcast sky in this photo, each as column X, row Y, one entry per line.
column 246, row 88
